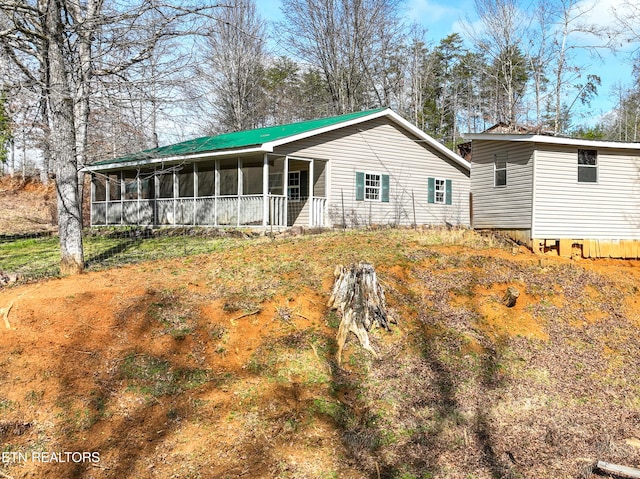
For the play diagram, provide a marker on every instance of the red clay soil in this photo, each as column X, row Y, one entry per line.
column 65, row 386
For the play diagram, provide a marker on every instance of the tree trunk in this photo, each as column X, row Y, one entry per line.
column 359, row 298
column 510, row 297
column 63, row 144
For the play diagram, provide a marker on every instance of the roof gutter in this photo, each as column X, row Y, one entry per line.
column 552, row 140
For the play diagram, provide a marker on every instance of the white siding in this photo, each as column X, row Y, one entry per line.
column 502, row 207
column 379, row 146
column 608, row 209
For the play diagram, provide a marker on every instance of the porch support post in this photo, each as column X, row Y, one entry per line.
column 175, row 195
column 139, row 186
column 265, row 190
column 92, row 199
column 240, row 191
column 312, row 219
column 285, row 190
column 195, row 191
column 123, row 190
column 156, row 195
column 107, row 198
column 216, row 192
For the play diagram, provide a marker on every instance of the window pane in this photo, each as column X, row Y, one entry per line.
column 114, row 187
column 252, row 177
column 587, row 157
column 501, row 177
column 228, row 177
column 185, row 182
column 147, row 189
column 294, row 185
column 276, row 176
column 130, row 185
column 587, row 174
column 99, row 188
column 166, row 185
column 207, row 179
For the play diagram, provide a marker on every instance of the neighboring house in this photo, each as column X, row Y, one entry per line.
column 370, row 167
column 570, row 195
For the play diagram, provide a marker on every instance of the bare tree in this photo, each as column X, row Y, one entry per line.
column 350, row 41
column 61, row 47
column 498, row 39
column 233, row 67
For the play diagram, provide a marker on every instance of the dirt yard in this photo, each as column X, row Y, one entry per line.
column 224, row 366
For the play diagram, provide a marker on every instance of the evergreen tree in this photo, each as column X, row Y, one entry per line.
column 6, row 135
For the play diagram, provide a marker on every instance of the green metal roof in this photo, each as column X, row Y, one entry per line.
column 239, row 139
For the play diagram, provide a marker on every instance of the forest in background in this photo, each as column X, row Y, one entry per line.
column 140, row 69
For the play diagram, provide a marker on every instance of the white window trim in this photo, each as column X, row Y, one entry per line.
column 295, row 187
column 588, row 166
column 435, row 191
column 379, row 187
column 496, row 169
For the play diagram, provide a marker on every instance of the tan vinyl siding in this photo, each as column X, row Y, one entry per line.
column 380, row 147
column 502, row 207
column 608, row 209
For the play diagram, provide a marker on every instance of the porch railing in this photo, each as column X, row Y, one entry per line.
column 247, row 210
column 317, row 210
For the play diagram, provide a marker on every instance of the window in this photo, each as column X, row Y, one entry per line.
column 185, row 181
column 587, row 166
column 207, row 179
column 294, row 185
column 147, row 188
column 500, row 169
column 166, row 185
column 115, row 187
column 99, row 188
column 130, row 185
column 372, row 185
column 252, row 177
column 275, row 183
column 228, row 177
column 439, row 191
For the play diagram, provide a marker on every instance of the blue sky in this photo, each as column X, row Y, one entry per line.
column 441, row 18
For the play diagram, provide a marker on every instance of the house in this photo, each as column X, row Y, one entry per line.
column 370, row 167
column 571, row 196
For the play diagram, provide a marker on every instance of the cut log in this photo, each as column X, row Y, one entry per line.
column 620, row 471
column 510, row 297
column 359, row 299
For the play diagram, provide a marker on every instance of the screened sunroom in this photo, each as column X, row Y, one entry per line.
column 247, row 191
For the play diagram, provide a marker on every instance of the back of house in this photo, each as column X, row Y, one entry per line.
column 568, row 195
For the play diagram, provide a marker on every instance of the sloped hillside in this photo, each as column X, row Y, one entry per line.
column 26, row 206
column 223, row 365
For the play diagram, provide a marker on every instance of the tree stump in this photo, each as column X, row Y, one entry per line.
column 510, row 297
column 359, row 299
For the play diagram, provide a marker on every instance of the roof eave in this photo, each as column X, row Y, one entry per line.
column 325, row 129
column 171, row 159
column 551, row 140
column 430, row 141
column 388, row 112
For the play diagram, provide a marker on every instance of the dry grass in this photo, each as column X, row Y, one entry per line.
column 26, row 206
column 223, row 365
